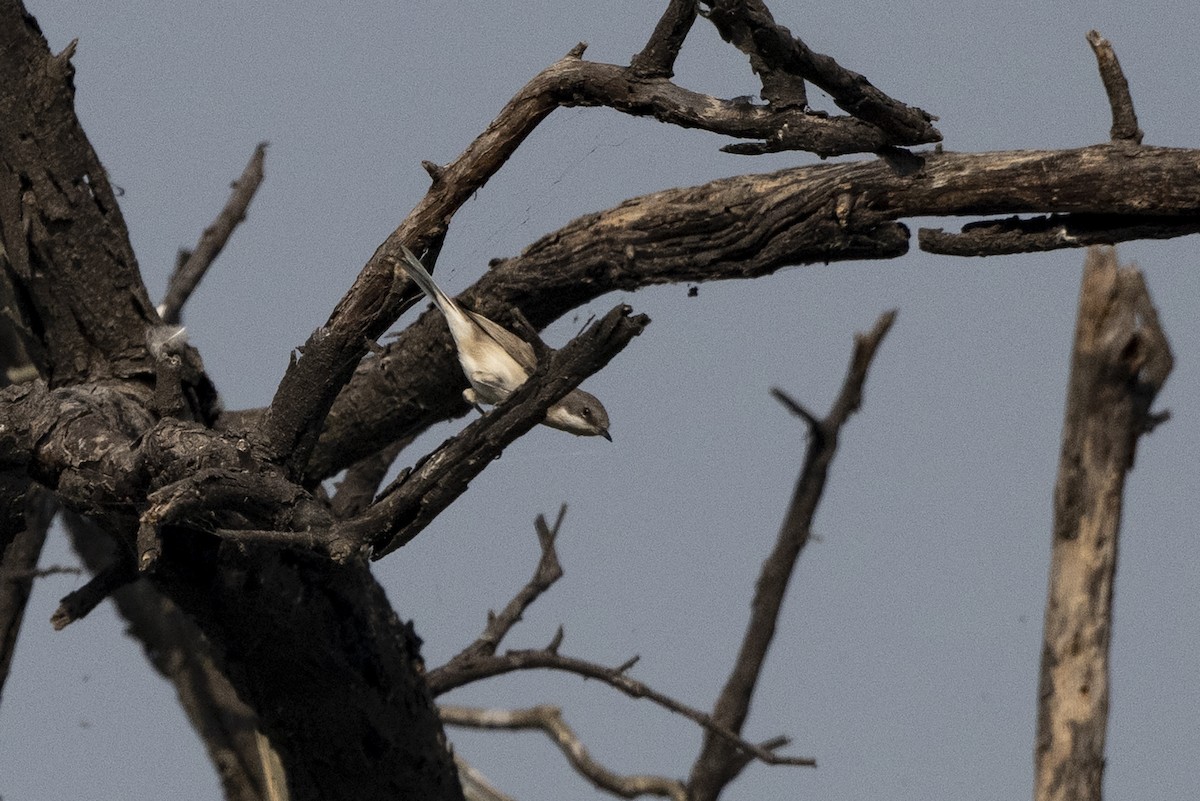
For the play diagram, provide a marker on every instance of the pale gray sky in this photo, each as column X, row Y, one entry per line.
column 907, row 655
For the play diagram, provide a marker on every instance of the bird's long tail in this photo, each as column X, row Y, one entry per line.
column 416, row 271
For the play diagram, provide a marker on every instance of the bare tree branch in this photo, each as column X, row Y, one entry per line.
column 442, row 680
column 657, row 58
column 64, row 226
column 548, row 571
column 1124, row 120
column 191, row 270
column 549, row 719
column 18, row 568
column 1017, row 235
column 719, row 762
column 1119, row 362
column 415, row 498
column 175, row 647
column 745, row 227
column 76, row 605
column 328, row 359
column 784, row 62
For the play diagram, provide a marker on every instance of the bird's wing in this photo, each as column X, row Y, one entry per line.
column 516, row 347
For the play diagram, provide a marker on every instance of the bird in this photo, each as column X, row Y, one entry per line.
column 496, row 361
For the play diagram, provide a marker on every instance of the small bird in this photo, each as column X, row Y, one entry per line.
column 497, row 361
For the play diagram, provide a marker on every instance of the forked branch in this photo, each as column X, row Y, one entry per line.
column 719, row 763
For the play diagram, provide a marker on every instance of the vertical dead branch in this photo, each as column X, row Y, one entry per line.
column 1124, row 120
column 247, row 767
column 18, row 561
column 720, row 761
column 1119, row 362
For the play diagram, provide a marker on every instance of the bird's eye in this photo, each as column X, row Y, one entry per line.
column 587, row 411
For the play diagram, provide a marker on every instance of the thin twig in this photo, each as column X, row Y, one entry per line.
column 719, row 763
column 442, row 680
column 187, row 275
column 549, row 719
column 548, row 571
column 1124, row 119
column 76, row 605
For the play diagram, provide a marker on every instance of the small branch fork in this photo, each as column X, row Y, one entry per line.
column 719, row 764
column 479, row 660
column 1016, row 235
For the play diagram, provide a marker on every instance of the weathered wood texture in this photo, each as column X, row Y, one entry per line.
column 1119, row 362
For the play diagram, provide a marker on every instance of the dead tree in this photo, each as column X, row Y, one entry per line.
column 206, row 526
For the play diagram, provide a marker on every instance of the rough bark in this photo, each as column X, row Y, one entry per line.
column 313, row 646
column 753, row 225
column 1119, row 362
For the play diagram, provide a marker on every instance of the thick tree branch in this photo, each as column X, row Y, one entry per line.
column 784, row 62
column 719, row 763
column 18, row 568
column 227, row 727
column 61, row 230
column 550, row 720
column 191, row 270
column 1119, row 362
column 328, row 359
column 745, row 227
column 657, row 58
column 1124, row 120
column 415, row 498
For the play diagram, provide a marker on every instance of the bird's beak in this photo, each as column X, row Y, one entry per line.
column 604, row 433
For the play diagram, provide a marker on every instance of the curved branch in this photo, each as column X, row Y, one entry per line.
column 784, row 62
column 442, row 680
column 328, row 359
column 549, row 719
column 745, row 227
